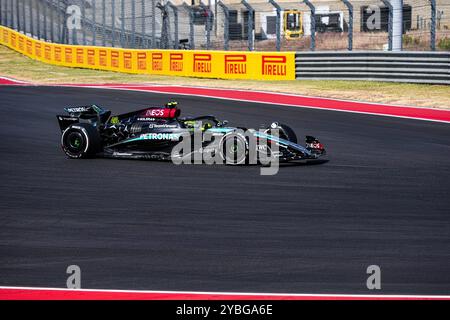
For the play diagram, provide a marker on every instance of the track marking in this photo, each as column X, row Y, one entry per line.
column 39, row 293
column 274, row 98
column 426, row 114
column 10, row 81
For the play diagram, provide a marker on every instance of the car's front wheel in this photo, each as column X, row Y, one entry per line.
column 284, row 131
column 234, row 149
column 80, row 140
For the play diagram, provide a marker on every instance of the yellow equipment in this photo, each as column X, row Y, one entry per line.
column 293, row 24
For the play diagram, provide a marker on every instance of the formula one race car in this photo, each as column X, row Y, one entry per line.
column 155, row 132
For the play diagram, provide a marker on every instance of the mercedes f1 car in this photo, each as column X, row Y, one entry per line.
column 154, row 133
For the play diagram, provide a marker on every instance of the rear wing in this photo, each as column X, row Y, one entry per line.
column 91, row 114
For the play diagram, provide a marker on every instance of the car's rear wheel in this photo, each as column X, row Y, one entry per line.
column 80, row 140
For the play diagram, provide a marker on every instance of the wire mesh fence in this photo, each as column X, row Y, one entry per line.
column 264, row 25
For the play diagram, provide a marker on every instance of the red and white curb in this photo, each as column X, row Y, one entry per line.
column 272, row 98
column 9, row 81
column 29, row 293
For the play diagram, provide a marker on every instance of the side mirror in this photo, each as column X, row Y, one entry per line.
column 224, row 122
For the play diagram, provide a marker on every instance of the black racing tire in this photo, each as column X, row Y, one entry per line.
column 285, row 132
column 234, row 149
column 81, row 140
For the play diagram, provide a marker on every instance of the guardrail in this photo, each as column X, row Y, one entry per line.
column 416, row 67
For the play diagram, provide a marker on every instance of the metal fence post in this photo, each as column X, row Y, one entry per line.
column 390, row 39
column 38, row 19
column 278, row 21
column 226, row 25
column 94, row 29
column 74, row 32
column 20, row 15
column 6, row 19
column 207, row 25
column 11, row 14
column 397, row 25
column 19, row 19
column 52, row 22
column 63, row 18
column 153, row 24
column 113, row 23
column 143, row 23
column 17, row 16
column 122, row 27
column 210, row 24
column 13, row 17
column 313, row 24
column 8, row 15
column 191, row 25
column 83, row 19
column 251, row 27
column 24, row 16
column 350, row 23
column 5, row 15
column 3, row 11
column 103, row 22
column 44, row 27
column 164, row 40
column 24, row 19
column 61, row 22
column 133, row 24
column 57, row 21
column 433, row 25
column 30, row 12
column 191, row 29
column 175, row 15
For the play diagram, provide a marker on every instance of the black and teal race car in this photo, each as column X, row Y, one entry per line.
column 160, row 133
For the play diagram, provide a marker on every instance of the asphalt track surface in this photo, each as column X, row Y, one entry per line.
column 383, row 199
